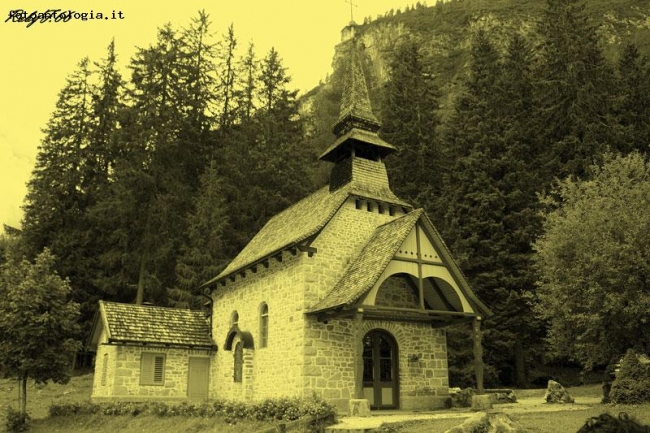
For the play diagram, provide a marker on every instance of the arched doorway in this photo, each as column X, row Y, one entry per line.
column 380, row 375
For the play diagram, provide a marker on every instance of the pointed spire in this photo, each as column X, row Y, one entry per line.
column 356, row 111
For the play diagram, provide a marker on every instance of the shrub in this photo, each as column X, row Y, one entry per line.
column 632, row 383
column 279, row 409
column 16, row 421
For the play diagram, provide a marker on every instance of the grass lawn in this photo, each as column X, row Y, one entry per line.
column 530, row 413
column 535, row 416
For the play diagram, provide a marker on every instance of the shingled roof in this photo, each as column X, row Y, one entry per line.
column 365, row 269
column 299, row 222
column 146, row 324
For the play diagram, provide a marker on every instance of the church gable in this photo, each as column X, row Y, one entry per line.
column 405, row 267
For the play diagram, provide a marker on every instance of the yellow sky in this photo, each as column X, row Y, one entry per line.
column 36, row 60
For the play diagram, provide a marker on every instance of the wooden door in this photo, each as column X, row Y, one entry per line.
column 380, row 375
column 199, row 378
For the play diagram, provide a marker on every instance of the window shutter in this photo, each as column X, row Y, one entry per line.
column 152, row 369
column 159, row 370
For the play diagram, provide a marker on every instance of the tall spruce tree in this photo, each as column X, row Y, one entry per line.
column 164, row 132
column 204, row 254
column 409, row 121
column 492, row 215
column 74, row 163
column 574, row 84
column 633, row 101
column 268, row 159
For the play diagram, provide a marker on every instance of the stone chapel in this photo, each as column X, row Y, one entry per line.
column 346, row 295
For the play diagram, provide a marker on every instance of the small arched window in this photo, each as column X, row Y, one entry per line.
column 234, row 318
column 264, row 325
column 239, row 362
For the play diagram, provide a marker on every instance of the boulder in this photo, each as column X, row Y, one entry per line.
column 555, row 393
column 461, row 397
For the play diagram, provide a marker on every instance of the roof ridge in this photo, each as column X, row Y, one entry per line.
column 148, row 306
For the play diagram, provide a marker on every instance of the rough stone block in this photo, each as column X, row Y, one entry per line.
column 481, row 402
column 359, row 407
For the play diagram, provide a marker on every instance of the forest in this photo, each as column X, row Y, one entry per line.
column 527, row 145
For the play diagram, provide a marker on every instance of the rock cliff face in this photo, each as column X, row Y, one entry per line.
column 445, row 32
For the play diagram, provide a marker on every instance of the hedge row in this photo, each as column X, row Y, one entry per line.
column 286, row 409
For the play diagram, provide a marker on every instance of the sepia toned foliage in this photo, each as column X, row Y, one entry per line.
column 593, row 262
column 38, row 323
column 144, row 188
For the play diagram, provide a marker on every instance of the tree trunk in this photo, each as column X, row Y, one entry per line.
column 139, row 298
column 478, row 355
column 520, row 365
column 23, row 395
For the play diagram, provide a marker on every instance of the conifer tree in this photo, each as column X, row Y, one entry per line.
column 75, row 160
column 574, row 85
column 633, row 101
column 203, row 255
column 409, row 122
column 163, row 131
column 492, row 217
column 226, row 81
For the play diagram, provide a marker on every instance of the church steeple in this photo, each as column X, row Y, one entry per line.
column 355, row 101
column 357, row 126
column 358, row 151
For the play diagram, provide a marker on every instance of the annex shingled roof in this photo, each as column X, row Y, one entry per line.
column 146, row 324
column 366, row 268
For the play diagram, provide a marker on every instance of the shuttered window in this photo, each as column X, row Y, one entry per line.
column 152, row 369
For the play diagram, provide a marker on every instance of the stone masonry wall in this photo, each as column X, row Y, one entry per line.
column 127, row 385
column 106, row 389
column 396, row 291
column 329, row 368
column 339, row 242
column 275, row 370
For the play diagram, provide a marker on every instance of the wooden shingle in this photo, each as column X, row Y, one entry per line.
column 146, row 324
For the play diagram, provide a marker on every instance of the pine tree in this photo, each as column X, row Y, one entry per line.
column 226, row 73
column 154, row 182
column 492, row 215
column 74, row 163
column 575, row 82
column 409, row 122
column 203, row 256
column 633, row 102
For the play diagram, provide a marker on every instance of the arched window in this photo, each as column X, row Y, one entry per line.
column 234, row 318
column 239, row 362
column 264, row 325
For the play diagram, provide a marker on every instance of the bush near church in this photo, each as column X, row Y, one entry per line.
column 632, row 383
